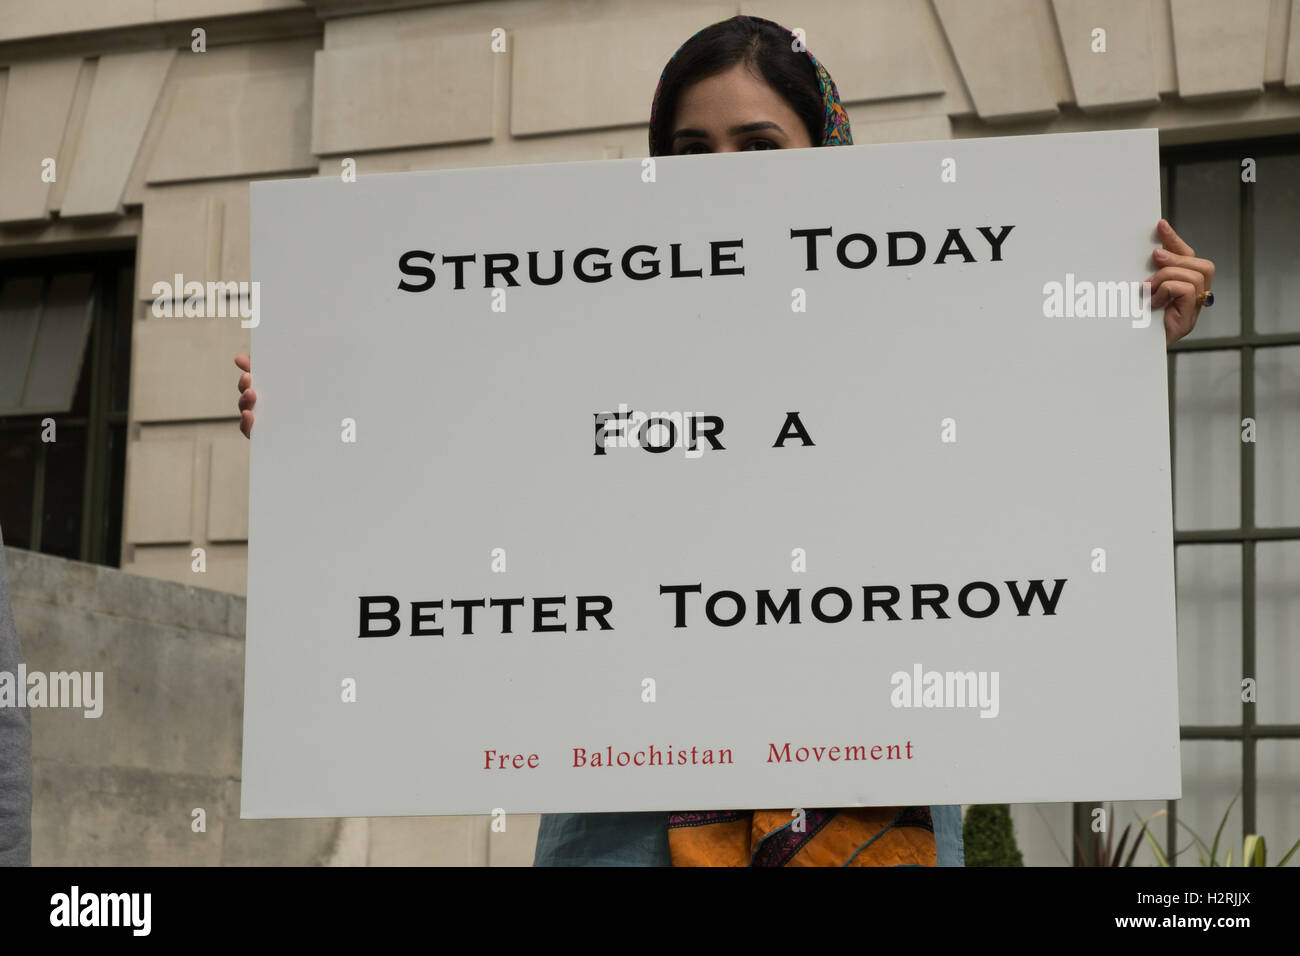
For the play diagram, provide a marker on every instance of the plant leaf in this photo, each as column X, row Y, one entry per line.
column 1119, row 850
column 1214, row 850
column 1201, row 848
column 1155, row 847
column 1137, row 842
column 1252, row 852
column 1289, row 854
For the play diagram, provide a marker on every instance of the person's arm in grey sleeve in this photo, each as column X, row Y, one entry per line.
column 15, row 744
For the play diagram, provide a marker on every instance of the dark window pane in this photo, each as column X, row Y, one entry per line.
column 17, row 476
column 1207, row 440
column 112, row 555
column 1208, row 583
column 121, row 320
column 65, row 475
column 60, row 467
column 1207, row 211
column 1277, row 245
column 20, row 321
column 1277, row 623
column 81, row 399
column 67, row 312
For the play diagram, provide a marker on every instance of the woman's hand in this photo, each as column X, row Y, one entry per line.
column 1178, row 283
column 247, row 397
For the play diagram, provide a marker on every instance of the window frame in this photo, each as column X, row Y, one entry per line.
column 111, row 269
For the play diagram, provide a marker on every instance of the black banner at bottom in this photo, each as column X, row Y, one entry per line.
column 332, row 905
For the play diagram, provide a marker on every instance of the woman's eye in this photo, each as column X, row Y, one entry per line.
column 754, row 145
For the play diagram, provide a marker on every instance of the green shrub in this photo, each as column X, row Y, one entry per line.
column 989, row 836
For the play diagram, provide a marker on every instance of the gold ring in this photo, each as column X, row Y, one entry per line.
column 1205, row 298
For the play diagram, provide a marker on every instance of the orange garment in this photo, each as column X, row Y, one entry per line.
column 850, row 836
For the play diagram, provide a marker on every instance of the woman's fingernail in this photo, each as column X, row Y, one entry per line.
column 1161, row 254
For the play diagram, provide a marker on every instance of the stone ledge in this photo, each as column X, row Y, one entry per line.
column 46, row 579
column 118, row 816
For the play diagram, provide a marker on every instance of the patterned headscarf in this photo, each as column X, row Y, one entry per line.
column 835, row 128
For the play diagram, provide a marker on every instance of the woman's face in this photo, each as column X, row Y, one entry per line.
column 735, row 111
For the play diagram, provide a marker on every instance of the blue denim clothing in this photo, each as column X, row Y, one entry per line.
column 641, row 839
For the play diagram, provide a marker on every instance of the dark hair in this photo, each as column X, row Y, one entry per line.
column 755, row 43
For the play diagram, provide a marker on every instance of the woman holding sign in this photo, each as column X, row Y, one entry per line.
column 749, row 84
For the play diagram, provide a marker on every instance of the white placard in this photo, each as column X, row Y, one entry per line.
column 434, row 441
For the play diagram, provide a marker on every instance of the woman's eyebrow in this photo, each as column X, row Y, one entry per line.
column 734, row 131
column 753, row 127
